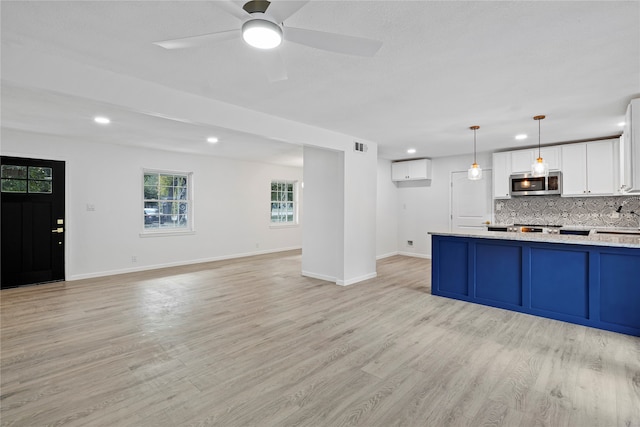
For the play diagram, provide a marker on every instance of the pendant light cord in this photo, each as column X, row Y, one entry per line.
column 538, row 118
column 474, row 129
column 474, row 146
column 539, row 151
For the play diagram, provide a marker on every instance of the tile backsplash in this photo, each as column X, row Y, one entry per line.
column 579, row 211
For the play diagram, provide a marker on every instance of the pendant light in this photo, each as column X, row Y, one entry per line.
column 475, row 172
column 539, row 167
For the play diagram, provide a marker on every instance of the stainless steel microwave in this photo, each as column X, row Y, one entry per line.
column 525, row 184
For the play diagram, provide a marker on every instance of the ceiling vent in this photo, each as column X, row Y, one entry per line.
column 359, row 146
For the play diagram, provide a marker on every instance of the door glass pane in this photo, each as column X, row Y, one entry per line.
column 14, row 186
column 40, row 173
column 39, row 187
column 12, row 171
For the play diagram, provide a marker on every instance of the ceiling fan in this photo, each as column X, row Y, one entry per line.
column 263, row 27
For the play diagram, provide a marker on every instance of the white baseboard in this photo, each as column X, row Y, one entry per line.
column 340, row 282
column 357, row 279
column 175, row 264
column 319, row 276
column 415, row 255
column 387, row 255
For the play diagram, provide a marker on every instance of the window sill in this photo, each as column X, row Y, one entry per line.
column 285, row 225
column 166, row 233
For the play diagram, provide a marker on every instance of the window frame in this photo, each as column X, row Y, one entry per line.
column 295, row 191
column 170, row 231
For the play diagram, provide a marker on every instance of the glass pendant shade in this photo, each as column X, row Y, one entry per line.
column 540, row 168
column 474, row 172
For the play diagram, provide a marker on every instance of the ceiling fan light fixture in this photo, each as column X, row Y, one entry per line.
column 262, row 33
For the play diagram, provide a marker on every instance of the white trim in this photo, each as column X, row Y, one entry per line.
column 387, row 255
column 178, row 232
column 357, row 279
column 415, row 255
column 283, row 225
column 318, row 276
column 177, row 264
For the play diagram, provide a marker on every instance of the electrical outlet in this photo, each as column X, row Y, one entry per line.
column 409, row 242
column 134, row 258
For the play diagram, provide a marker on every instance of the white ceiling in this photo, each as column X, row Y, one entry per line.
column 444, row 66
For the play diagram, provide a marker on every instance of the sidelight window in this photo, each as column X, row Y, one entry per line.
column 167, row 203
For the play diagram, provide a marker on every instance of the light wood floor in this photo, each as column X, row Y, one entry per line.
column 252, row 343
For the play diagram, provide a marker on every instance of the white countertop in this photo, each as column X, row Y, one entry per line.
column 593, row 239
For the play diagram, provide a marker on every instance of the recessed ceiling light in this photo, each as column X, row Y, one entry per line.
column 521, row 136
column 411, row 150
column 102, row 120
column 212, row 139
column 621, row 124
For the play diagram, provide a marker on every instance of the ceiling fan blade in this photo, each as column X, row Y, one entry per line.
column 274, row 65
column 232, row 9
column 200, row 40
column 281, row 10
column 332, row 42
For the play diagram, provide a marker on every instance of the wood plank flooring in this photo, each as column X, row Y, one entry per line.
column 250, row 342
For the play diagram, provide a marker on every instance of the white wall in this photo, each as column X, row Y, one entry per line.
column 386, row 212
column 231, row 205
column 360, row 215
column 324, row 205
column 424, row 206
column 339, row 238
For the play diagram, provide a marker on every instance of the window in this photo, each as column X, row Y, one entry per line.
column 26, row 179
column 284, row 208
column 167, row 201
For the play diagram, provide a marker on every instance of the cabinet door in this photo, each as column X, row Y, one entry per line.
column 399, row 171
column 600, row 175
column 522, row 160
column 551, row 156
column 574, row 170
column 419, row 169
column 501, row 174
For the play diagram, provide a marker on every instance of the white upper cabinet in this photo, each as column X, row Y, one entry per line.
column 574, row 170
column 522, row 160
column 501, row 173
column 629, row 151
column 552, row 156
column 411, row 170
column 588, row 169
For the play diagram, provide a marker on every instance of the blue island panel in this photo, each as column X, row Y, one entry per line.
column 620, row 289
column 560, row 281
column 590, row 285
column 456, row 278
column 498, row 272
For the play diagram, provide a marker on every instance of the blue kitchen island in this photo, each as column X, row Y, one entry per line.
column 588, row 280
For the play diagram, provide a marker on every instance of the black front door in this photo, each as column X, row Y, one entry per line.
column 33, row 221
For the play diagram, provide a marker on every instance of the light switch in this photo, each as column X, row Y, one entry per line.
column 91, row 207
